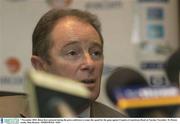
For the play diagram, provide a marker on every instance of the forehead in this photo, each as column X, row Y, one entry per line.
column 73, row 29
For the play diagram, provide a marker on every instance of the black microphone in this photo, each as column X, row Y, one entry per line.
column 129, row 91
column 123, row 77
column 172, row 67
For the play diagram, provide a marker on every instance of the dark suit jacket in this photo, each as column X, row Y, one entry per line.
column 99, row 110
column 17, row 106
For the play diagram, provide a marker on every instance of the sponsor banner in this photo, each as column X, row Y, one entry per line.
column 17, row 20
column 156, row 42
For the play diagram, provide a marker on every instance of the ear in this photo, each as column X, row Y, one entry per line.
column 38, row 63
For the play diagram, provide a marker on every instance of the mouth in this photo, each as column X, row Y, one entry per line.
column 89, row 83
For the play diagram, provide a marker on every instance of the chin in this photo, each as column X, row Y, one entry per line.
column 94, row 96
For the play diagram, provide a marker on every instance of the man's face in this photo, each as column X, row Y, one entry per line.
column 77, row 53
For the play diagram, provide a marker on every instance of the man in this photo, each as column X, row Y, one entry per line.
column 69, row 43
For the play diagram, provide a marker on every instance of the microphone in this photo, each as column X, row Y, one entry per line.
column 54, row 96
column 130, row 92
column 123, row 77
column 172, row 68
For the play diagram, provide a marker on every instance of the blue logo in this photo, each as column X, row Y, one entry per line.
column 155, row 13
column 155, row 31
column 10, row 121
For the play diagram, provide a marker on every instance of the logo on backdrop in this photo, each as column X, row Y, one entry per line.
column 12, row 79
column 103, row 4
column 59, row 3
column 13, row 65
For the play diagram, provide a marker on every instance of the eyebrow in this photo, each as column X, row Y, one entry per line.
column 98, row 45
column 77, row 42
column 71, row 43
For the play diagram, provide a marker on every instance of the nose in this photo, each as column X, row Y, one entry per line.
column 88, row 63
